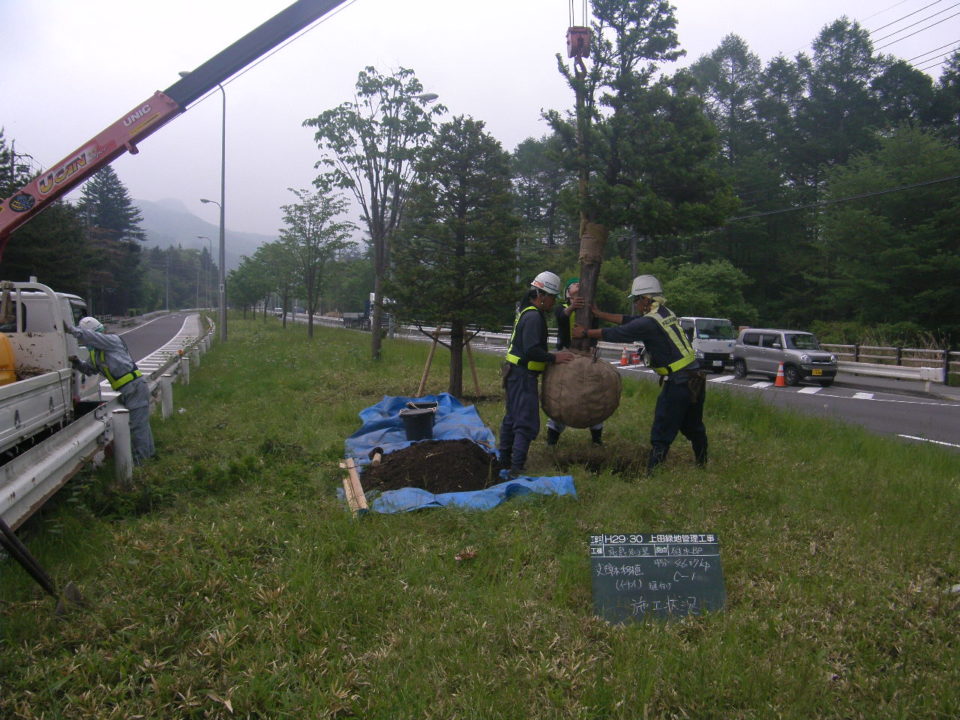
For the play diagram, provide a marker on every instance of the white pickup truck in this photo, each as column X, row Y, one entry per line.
column 40, row 390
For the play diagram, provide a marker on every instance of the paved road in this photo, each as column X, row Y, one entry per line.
column 907, row 410
column 912, row 411
column 151, row 334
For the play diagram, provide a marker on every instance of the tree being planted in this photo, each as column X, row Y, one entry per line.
column 643, row 147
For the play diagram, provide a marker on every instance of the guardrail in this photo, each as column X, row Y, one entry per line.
column 34, row 476
column 895, row 362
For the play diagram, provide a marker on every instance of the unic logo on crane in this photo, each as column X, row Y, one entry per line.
column 134, row 116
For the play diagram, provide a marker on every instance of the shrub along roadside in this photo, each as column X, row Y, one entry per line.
column 232, row 583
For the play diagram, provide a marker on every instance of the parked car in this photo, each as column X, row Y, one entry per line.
column 760, row 351
column 712, row 339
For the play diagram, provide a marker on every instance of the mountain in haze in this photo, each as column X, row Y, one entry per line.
column 169, row 222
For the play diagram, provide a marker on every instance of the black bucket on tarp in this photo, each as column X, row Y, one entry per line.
column 418, row 422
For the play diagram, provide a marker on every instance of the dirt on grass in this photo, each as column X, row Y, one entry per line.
column 437, row 466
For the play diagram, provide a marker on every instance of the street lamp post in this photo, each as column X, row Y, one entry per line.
column 222, row 294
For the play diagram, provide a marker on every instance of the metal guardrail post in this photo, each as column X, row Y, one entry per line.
column 195, row 357
column 185, row 370
column 166, row 395
column 122, row 446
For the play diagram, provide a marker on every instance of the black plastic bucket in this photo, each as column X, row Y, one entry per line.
column 418, row 422
column 427, row 404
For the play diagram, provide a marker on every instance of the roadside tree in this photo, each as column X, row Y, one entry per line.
column 314, row 237
column 453, row 256
column 368, row 146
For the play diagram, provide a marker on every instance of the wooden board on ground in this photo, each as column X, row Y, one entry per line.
column 352, row 488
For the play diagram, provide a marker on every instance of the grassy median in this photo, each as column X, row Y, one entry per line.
column 231, row 582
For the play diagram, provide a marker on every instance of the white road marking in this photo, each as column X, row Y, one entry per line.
column 863, row 396
column 809, row 390
column 722, row 378
column 762, row 384
column 935, row 442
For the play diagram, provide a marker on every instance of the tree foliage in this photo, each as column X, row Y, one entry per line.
column 368, row 146
column 314, row 236
column 453, row 258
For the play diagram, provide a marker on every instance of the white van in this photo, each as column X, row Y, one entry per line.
column 713, row 340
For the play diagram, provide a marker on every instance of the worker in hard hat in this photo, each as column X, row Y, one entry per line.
column 680, row 404
column 110, row 357
column 565, row 313
column 527, row 358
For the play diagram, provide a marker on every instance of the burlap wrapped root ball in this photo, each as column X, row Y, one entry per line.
column 581, row 393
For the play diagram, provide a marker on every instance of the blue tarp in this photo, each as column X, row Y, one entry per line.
column 382, row 427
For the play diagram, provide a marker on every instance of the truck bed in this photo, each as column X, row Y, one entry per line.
column 29, row 406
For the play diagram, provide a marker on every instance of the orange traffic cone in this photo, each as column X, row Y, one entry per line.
column 624, row 358
column 781, row 380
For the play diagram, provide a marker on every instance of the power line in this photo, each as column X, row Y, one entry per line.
column 916, row 57
column 917, row 32
column 861, row 196
column 904, row 17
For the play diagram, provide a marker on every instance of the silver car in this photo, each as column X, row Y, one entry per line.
column 759, row 350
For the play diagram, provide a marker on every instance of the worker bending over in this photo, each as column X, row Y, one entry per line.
column 110, row 357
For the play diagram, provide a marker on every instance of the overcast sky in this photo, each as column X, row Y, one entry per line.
column 73, row 67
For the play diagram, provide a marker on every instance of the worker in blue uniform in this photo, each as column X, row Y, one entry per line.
column 565, row 313
column 527, row 358
column 110, row 357
column 683, row 384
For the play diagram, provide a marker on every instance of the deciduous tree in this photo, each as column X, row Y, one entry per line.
column 368, row 146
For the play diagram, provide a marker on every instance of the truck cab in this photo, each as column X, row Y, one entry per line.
column 713, row 340
column 42, row 391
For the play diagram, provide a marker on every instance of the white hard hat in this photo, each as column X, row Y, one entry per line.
column 547, row 282
column 645, row 285
column 92, row 324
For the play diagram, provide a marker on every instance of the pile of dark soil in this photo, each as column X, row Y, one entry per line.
column 437, row 466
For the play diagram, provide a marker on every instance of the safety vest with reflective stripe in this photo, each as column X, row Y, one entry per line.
column 514, row 359
column 670, row 325
column 100, row 359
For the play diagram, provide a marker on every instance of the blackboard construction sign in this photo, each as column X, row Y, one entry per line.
column 655, row 574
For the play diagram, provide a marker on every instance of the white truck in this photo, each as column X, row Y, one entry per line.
column 40, row 390
column 713, row 340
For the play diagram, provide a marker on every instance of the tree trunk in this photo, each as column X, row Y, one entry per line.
column 457, row 334
column 593, row 239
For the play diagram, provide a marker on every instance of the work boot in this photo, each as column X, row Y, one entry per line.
column 552, row 436
column 596, row 434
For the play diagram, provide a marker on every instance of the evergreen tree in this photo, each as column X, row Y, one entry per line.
column 896, row 254
column 453, row 259
column 113, row 233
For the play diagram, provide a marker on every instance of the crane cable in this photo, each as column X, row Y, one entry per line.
column 573, row 20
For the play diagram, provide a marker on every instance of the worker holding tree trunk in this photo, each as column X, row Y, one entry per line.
column 566, row 315
column 527, row 358
column 683, row 384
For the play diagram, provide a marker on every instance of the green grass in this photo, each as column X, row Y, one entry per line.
column 232, row 583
